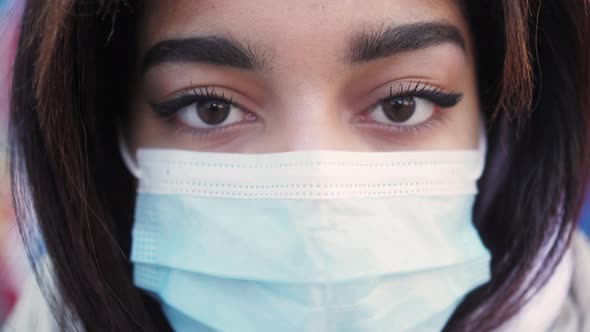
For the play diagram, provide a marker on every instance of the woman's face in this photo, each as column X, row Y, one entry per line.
column 270, row 76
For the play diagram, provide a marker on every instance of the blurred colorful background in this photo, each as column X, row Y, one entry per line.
column 13, row 263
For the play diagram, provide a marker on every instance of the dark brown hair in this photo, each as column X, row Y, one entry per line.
column 72, row 82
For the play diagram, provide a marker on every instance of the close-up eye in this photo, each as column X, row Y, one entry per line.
column 404, row 111
column 210, row 113
column 203, row 108
column 412, row 106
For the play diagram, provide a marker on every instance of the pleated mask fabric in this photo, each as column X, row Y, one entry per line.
column 308, row 240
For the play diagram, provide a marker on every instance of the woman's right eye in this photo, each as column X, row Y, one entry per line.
column 203, row 109
column 210, row 113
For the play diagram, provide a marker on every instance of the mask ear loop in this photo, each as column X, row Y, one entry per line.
column 482, row 148
column 126, row 156
column 483, row 139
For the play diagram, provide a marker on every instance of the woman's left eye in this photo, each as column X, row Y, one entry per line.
column 402, row 111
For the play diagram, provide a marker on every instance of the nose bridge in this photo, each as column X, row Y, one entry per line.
column 311, row 116
column 315, row 124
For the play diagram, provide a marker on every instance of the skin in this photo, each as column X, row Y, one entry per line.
column 310, row 97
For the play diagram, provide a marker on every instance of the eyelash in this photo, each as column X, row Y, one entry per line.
column 168, row 109
column 437, row 96
column 189, row 97
column 424, row 91
column 419, row 90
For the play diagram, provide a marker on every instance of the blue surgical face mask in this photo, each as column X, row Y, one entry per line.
column 309, row 240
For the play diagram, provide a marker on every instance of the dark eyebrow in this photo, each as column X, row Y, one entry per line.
column 392, row 40
column 208, row 49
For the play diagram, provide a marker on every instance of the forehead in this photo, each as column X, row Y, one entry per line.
column 287, row 26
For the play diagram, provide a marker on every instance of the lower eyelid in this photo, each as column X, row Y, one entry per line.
column 180, row 127
column 438, row 117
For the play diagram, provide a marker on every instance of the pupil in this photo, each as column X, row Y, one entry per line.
column 399, row 109
column 213, row 112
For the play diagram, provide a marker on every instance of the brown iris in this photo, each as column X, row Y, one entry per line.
column 399, row 109
column 213, row 112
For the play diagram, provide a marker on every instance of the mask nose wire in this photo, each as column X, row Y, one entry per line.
column 134, row 169
column 126, row 156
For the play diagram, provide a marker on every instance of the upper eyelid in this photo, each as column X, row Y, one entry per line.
column 398, row 89
column 422, row 89
column 236, row 97
column 191, row 96
column 207, row 92
column 410, row 87
column 173, row 105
